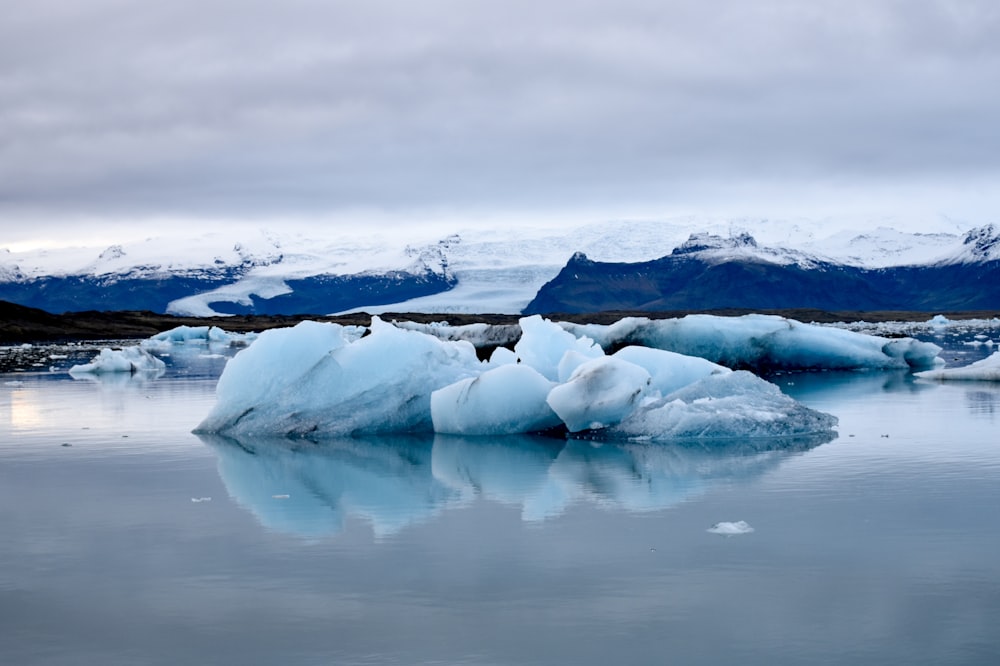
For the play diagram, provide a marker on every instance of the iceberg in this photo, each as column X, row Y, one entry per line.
column 127, row 360
column 210, row 335
column 987, row 369
column 762, row 342
column 313, row 379
column 321, row 380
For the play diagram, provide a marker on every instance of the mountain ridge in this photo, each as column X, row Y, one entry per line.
column 494, row 270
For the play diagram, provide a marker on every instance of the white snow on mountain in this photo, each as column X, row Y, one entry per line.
column 497, row 269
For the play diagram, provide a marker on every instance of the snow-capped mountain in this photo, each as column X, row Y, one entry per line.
column 709, row 272
column 478, row 269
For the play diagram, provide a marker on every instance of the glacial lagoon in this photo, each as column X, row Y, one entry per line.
column 129, row 540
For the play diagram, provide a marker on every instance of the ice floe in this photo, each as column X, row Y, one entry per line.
column 127, row 360
column 731, row 529
column 987, row 369
column 209, row 335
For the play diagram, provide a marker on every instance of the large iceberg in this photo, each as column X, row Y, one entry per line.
column 763, row 342
column 312, row 379
column 319, row 380
column 987, row 369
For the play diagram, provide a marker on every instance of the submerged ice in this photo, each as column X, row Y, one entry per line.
column 318, row 380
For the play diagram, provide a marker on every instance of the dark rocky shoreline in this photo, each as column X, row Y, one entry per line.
column 19, row 324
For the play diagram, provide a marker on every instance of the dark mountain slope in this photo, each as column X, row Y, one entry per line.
column 693, row 281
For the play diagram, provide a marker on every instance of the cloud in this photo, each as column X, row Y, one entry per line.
column 252, row 107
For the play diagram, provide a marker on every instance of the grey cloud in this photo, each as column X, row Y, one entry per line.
column 309, row 105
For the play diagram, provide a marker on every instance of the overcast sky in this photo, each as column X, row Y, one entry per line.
column 120, row 110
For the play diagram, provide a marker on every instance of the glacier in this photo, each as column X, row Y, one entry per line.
column 321, row 380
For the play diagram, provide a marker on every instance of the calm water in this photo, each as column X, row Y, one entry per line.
column 140, row 543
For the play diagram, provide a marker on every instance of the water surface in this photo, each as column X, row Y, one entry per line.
column 128, row 540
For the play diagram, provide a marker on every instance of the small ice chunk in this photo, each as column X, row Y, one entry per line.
column 599, row 393
column 731, row 529
column 129, row 359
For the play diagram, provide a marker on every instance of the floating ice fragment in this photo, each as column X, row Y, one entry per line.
column 987, row 369
column 731, row 529
column 129, row 359
column 197, row 500
column 938, row 321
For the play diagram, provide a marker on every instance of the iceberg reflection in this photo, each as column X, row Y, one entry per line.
column 311, row 488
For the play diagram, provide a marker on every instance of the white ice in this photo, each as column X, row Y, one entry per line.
column 506, row 400
column 210, row 335
column 763, row 341
column 738, row 404
column 668, row 370
column 599, row 393
column 127, row 360
column 987, row 369
column 731, row 529
column 543, row 344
